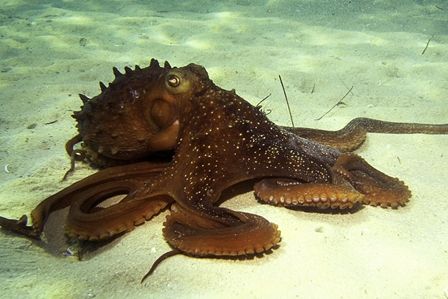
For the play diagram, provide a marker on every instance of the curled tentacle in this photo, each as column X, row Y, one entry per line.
column 377, row 187
column 86, row 220
column 201, row 236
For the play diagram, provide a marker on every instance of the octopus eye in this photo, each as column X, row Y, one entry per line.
column 177, row 82
column 173, row 80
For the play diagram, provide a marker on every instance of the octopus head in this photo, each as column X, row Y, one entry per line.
column 138, row 113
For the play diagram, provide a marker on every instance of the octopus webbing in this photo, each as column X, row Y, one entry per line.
column 216, row 140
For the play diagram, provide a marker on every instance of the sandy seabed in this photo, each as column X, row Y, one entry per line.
column 54, row 50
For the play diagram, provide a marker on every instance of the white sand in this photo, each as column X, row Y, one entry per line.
column 374, row 253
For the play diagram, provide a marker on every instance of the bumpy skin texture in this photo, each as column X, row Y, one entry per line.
column 219, row 141
column 129, row 120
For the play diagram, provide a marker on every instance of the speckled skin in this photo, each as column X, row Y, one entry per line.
column 219, row 141
column 224, row 140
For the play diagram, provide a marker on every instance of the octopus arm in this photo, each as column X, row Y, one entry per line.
column 86, row 218
column 196, row 235
column 354, row 182
column 353, row 135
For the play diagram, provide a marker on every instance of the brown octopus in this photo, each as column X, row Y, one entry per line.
column 218, row 140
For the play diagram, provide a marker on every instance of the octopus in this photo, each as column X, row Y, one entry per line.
column 169, row 138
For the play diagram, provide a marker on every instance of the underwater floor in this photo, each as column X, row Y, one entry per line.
column 54, row 50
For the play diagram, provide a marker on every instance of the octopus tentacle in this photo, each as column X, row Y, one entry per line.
column 70, row 144
column 19, row 226
column 157, row 262
column 291, row 193
column 201, row 236
column 75, row 155
column 377, row 187
column 101, row 183
column 87, row 221
column 353, row 135
column 346, row 139
column 355, row 181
